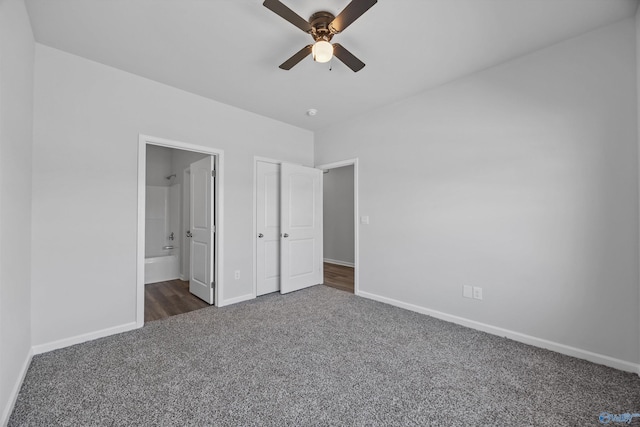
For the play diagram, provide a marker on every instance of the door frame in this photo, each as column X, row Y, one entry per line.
column 185, row 268
column 143, row 141
column 257, row 159
column 356, row 215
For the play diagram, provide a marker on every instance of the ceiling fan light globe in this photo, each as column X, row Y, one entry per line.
column 322, row 51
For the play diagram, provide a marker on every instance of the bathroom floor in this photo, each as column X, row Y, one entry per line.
column 165, row 299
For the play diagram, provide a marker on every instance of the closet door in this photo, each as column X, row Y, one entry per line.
column 300, row 227
column 267, row 228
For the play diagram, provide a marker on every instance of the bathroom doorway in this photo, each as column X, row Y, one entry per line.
column 167, row 231
column 166, row 284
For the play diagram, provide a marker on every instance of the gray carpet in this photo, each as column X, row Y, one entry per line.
column 316, row 357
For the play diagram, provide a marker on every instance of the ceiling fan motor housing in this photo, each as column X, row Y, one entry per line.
column 320, row 26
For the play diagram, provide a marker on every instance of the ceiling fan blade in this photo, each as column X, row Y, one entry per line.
column 350, row 13
column 347, row 57
column 297, row 57
column 280, row 9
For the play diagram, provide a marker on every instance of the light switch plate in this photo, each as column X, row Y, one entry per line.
column 364, row 220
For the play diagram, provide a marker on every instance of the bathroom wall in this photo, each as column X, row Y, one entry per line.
column 157, row 217
column 159, row 199
column 173, row 220
column 159, row 166
column 156, row 220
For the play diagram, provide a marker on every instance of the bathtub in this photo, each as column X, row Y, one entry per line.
column 161, row 268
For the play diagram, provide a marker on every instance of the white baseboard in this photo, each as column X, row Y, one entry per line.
column 336, row 262
column 66, row 342
column 13, row 395
column 236, row 300
column 516, row 336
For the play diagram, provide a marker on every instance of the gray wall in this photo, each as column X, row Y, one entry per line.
column 521, row 179
column 88, row 117
column 338, row 215
column 159, row 166
column 16, row 121
column 638, row 103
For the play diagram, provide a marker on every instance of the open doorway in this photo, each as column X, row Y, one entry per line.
column 340, row 225
column 166, row 284
column 167, row 230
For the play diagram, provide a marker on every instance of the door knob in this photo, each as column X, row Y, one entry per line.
column 285, row 235
column 260, row 236
column 189, row 233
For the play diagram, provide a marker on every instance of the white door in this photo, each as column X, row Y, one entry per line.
column 300, row 227
column 202, row 229
column 267, row 228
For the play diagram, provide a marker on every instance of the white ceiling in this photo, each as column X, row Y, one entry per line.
column 229, row 50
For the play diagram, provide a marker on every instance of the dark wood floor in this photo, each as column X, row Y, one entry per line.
column 165, row 299
column 339, row 277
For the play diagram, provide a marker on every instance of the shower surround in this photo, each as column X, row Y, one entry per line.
column 162, row 219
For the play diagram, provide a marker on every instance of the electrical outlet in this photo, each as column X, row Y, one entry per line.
column 467, row 291
column 237, row 275
column 477, row 292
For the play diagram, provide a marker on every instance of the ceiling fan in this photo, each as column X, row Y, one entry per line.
column 322, row 26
